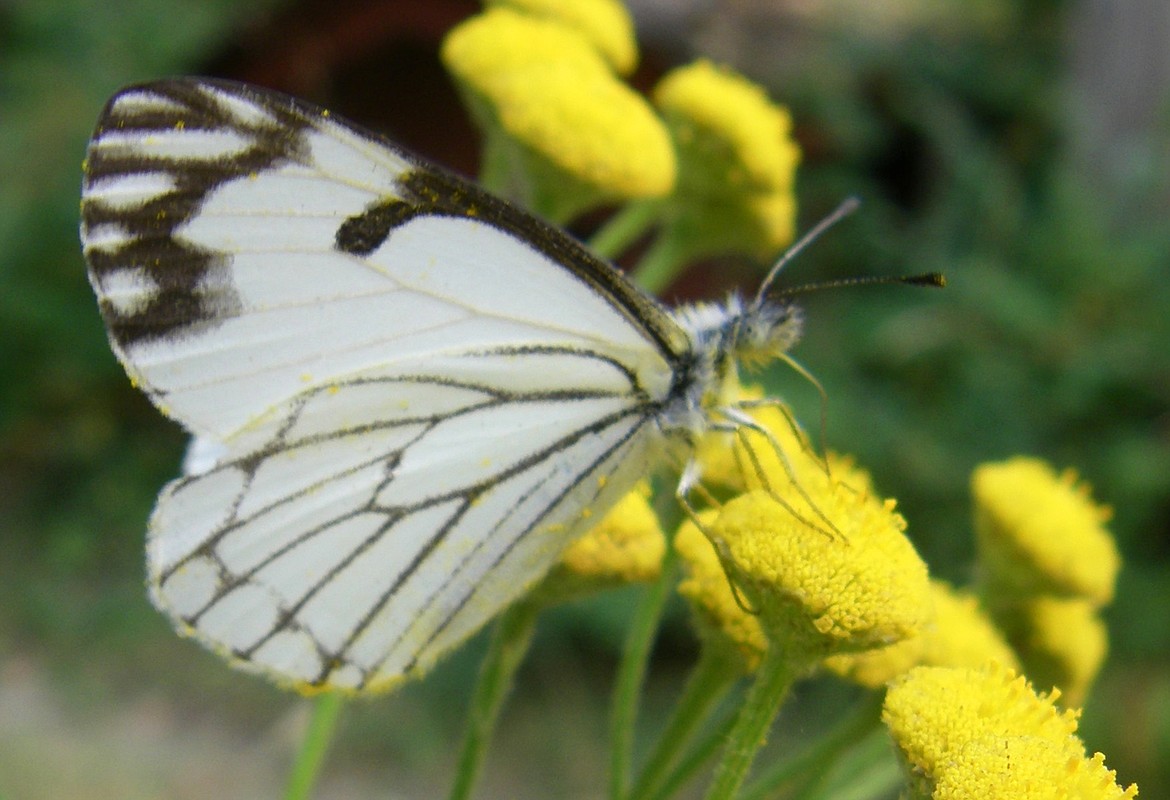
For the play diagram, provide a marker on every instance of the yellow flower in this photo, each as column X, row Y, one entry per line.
column 1040, row 533
column 958, row 634
column 742, row 137
column 737, row 164
column 1062, row 643
column 962, row 733
column 605, row 23
column 626, row 546
column 930, row 710
column 816, row 506
column 843, row 578
column 562, row 132
column 594, row 128
column 499, row 42
column 722, row 622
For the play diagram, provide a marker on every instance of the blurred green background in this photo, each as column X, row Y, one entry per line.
column 1023, row 148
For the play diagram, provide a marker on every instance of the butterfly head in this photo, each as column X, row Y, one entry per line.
column 762, row 332
column 735, row 332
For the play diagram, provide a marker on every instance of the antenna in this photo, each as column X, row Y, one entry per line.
column 934, row 279
column 847, row 207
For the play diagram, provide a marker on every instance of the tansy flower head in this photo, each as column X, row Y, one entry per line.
column 930, row 710
column 562, row 132
column 958, row 634
column 626, row 546
column 1039, row 533
column 733, row 128
column 606, row 24
column 955, row 727
column 737, row 164
column 842, row 580
column 489, row 46
column 722, row 622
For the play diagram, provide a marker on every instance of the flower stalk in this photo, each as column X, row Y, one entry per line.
column 509, row 643
column 632, row 675
column 776, row 673
column 709, row 682
column 307, row 765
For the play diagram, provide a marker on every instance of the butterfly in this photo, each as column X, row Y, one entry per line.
column 407, row 396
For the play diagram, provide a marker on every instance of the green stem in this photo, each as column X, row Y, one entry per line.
column 326, row 710
column 827, row 750
column 871, row 771
column 624, row 228
column 495, row 168
column 698, row 755
column 776, row 673
column 659, row 266
column 713, row 675
column 510, row 639
column 632, row 672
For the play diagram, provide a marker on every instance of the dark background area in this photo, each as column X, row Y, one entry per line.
column 1020, row 147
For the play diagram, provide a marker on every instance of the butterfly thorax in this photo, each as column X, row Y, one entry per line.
column 724, row 336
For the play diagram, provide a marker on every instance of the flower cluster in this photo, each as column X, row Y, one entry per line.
column 562, row 132
column 736, row 160
column 1049, row 565
column 711, row 161
column 802, row 556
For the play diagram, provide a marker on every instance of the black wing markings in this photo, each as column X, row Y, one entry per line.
column 193, row 284
column 431, row 191
column 463, row 500
column 591, row 469
column 207, row 548
column 640, row 406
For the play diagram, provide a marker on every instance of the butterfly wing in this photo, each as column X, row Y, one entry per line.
column 410, row 394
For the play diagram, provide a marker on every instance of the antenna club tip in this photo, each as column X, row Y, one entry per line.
column 936, row 279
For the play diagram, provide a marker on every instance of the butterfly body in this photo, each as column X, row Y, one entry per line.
column 407, row 395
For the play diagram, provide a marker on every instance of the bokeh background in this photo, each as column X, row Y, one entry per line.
column 1020, row 146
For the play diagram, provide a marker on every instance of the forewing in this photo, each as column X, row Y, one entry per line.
column 246, row 247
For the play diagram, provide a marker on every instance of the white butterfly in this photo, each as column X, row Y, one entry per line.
column 408, row 395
